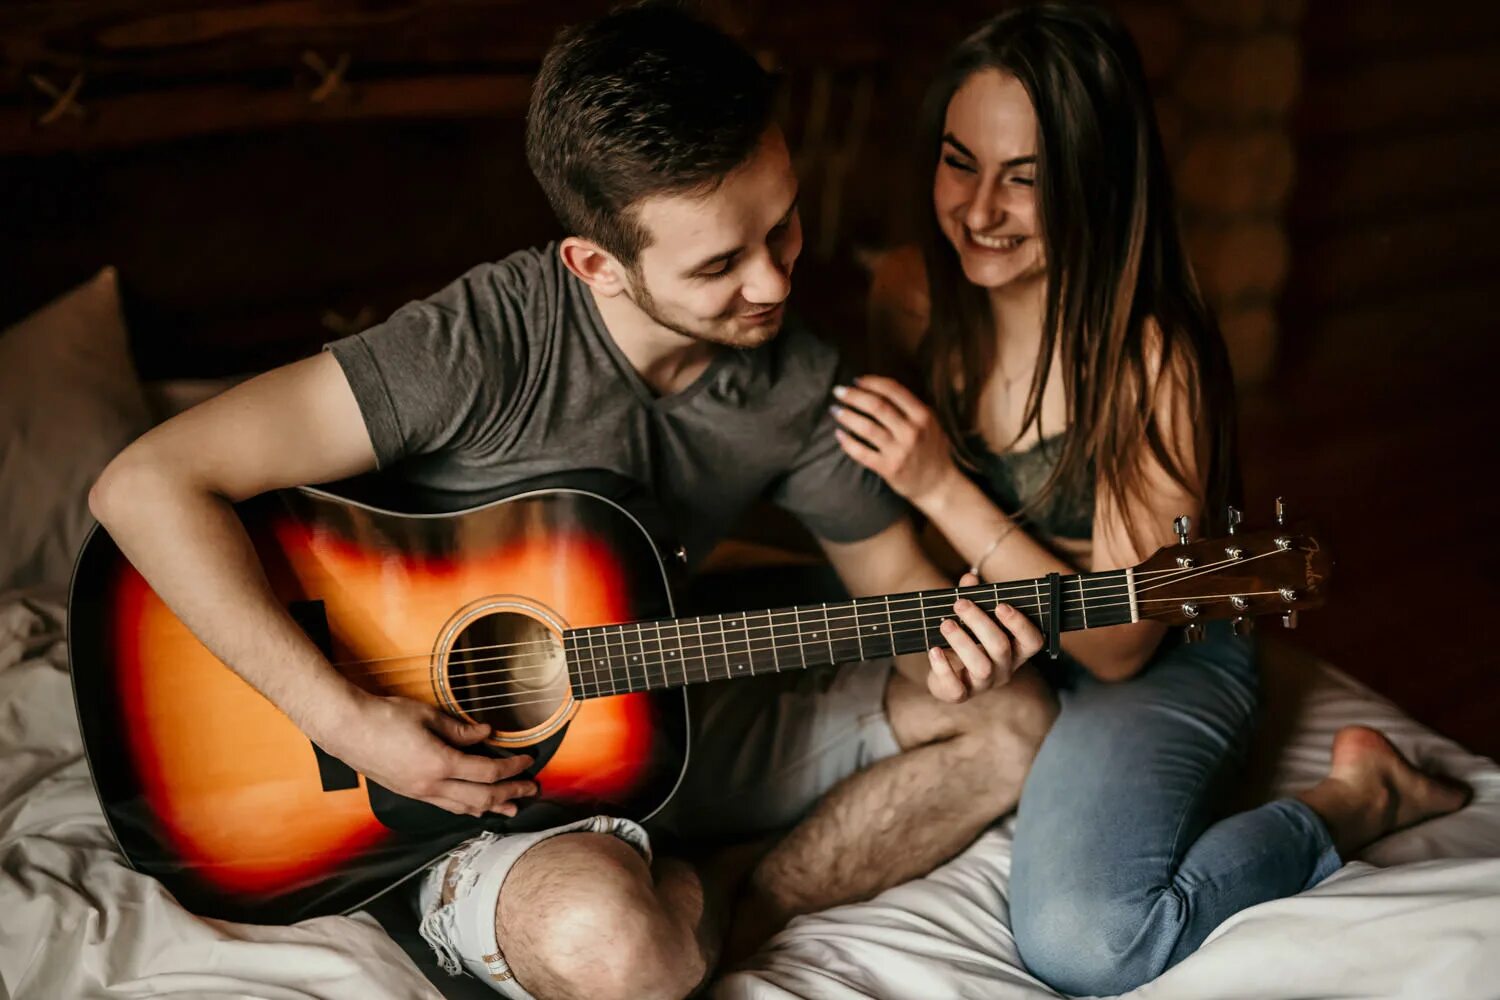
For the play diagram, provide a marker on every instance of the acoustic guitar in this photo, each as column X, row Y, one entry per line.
column 547, row 614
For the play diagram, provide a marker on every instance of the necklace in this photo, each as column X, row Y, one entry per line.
column 1007, row 380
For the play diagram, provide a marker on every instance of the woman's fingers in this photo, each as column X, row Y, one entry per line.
column 874, row 406
column 899, row 395
column 853, row 420
column 858, row 450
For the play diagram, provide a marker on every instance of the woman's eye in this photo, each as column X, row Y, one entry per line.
column 1024, row 181
column 957, row 164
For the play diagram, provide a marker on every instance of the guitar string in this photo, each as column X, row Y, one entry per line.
column 1023, row 589
column 986, row 592
column 619, row 631
column 579, row 677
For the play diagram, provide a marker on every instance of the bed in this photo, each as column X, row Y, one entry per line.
column 1417, row 916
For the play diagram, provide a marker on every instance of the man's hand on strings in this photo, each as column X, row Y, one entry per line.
column 417, row 751
column 983, row 649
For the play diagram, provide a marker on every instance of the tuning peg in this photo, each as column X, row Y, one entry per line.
column 1233, row 517
column 1280, row 512
column 1244, row 626
column 1289, row 619
column 1182, row 524
column 1193, row 632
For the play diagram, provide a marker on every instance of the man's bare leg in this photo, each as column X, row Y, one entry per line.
column 583, row 916
column 962, row 767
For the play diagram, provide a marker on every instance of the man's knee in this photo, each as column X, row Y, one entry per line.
column 579, row 917
column 1013, row 718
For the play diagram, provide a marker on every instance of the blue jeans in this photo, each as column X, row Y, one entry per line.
column 1120, row 869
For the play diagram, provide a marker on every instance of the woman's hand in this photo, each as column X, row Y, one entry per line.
column 887, row 429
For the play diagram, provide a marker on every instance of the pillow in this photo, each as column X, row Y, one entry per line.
column 69, row 402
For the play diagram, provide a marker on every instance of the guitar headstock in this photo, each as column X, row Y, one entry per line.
column 1277, row 571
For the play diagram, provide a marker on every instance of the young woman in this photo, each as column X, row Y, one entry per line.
column 1080, row 398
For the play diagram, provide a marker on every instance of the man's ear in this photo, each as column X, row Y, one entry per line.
column 594, row 266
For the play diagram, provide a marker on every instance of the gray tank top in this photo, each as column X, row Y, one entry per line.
column 1015, row 478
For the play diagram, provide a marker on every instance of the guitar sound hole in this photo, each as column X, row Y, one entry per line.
column 508, row 670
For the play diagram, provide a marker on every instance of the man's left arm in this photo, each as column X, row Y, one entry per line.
column 980, row 649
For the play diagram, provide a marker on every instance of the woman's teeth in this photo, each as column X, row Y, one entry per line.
column 997, row 242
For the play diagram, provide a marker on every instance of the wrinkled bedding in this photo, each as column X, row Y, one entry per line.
column 1418, row 917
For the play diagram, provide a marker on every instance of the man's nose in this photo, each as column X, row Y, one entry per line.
column 767, row 282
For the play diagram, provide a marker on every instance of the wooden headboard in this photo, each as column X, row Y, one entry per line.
column 237, row 252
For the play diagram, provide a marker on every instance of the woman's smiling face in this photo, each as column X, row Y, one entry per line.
column 984, row 189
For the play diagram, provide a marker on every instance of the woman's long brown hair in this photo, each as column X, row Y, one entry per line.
column 1114, row 262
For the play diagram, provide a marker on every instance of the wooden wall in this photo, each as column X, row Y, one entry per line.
column 1337, row 160
column 1383, row 419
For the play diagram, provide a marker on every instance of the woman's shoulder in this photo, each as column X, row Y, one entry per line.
column 898, row 303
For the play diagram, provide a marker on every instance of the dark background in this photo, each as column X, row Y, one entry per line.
column 1337, row 162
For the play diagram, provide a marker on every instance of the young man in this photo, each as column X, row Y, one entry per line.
column 651, row 342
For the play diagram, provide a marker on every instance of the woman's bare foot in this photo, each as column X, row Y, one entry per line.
column 1371, row 791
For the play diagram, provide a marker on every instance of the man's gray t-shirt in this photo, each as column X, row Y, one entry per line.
column 509, row 373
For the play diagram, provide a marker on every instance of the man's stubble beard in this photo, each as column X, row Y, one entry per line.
column 646, row 303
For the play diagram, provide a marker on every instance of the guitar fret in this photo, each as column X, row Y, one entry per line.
column 593, row 678
column 661, row 656
column 749, row 645
column 702, row 647
column 629, row 682
column 731, row 668
column 570, row 660
column 1083, row 601
column 636, row 658
column 613, row 632
column 609, row 669
column 1039, row 605
column 641, row 657
column 614, row 683
column 797, row 631
column 771, row 637
column 585, row 683
column 828, row 635
column 724, row 647
column 676, row 654
column 858, row 632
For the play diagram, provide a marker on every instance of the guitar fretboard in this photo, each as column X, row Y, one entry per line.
column 671, row 652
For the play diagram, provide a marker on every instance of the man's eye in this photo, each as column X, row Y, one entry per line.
column 717, row 272
column 957, row 164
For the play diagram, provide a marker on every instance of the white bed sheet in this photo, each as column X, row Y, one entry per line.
column 1426, row 929
column 76, row 922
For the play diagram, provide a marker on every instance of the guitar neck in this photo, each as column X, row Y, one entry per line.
column 671, row 652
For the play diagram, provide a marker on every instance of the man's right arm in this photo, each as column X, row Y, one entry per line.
column 167, row 502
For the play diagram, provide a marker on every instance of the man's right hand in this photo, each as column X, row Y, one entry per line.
column 167, row 501
column 414, row 750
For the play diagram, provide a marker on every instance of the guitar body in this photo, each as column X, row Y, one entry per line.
column 212, row 790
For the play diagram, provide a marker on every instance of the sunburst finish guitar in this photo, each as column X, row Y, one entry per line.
column 548, row 615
